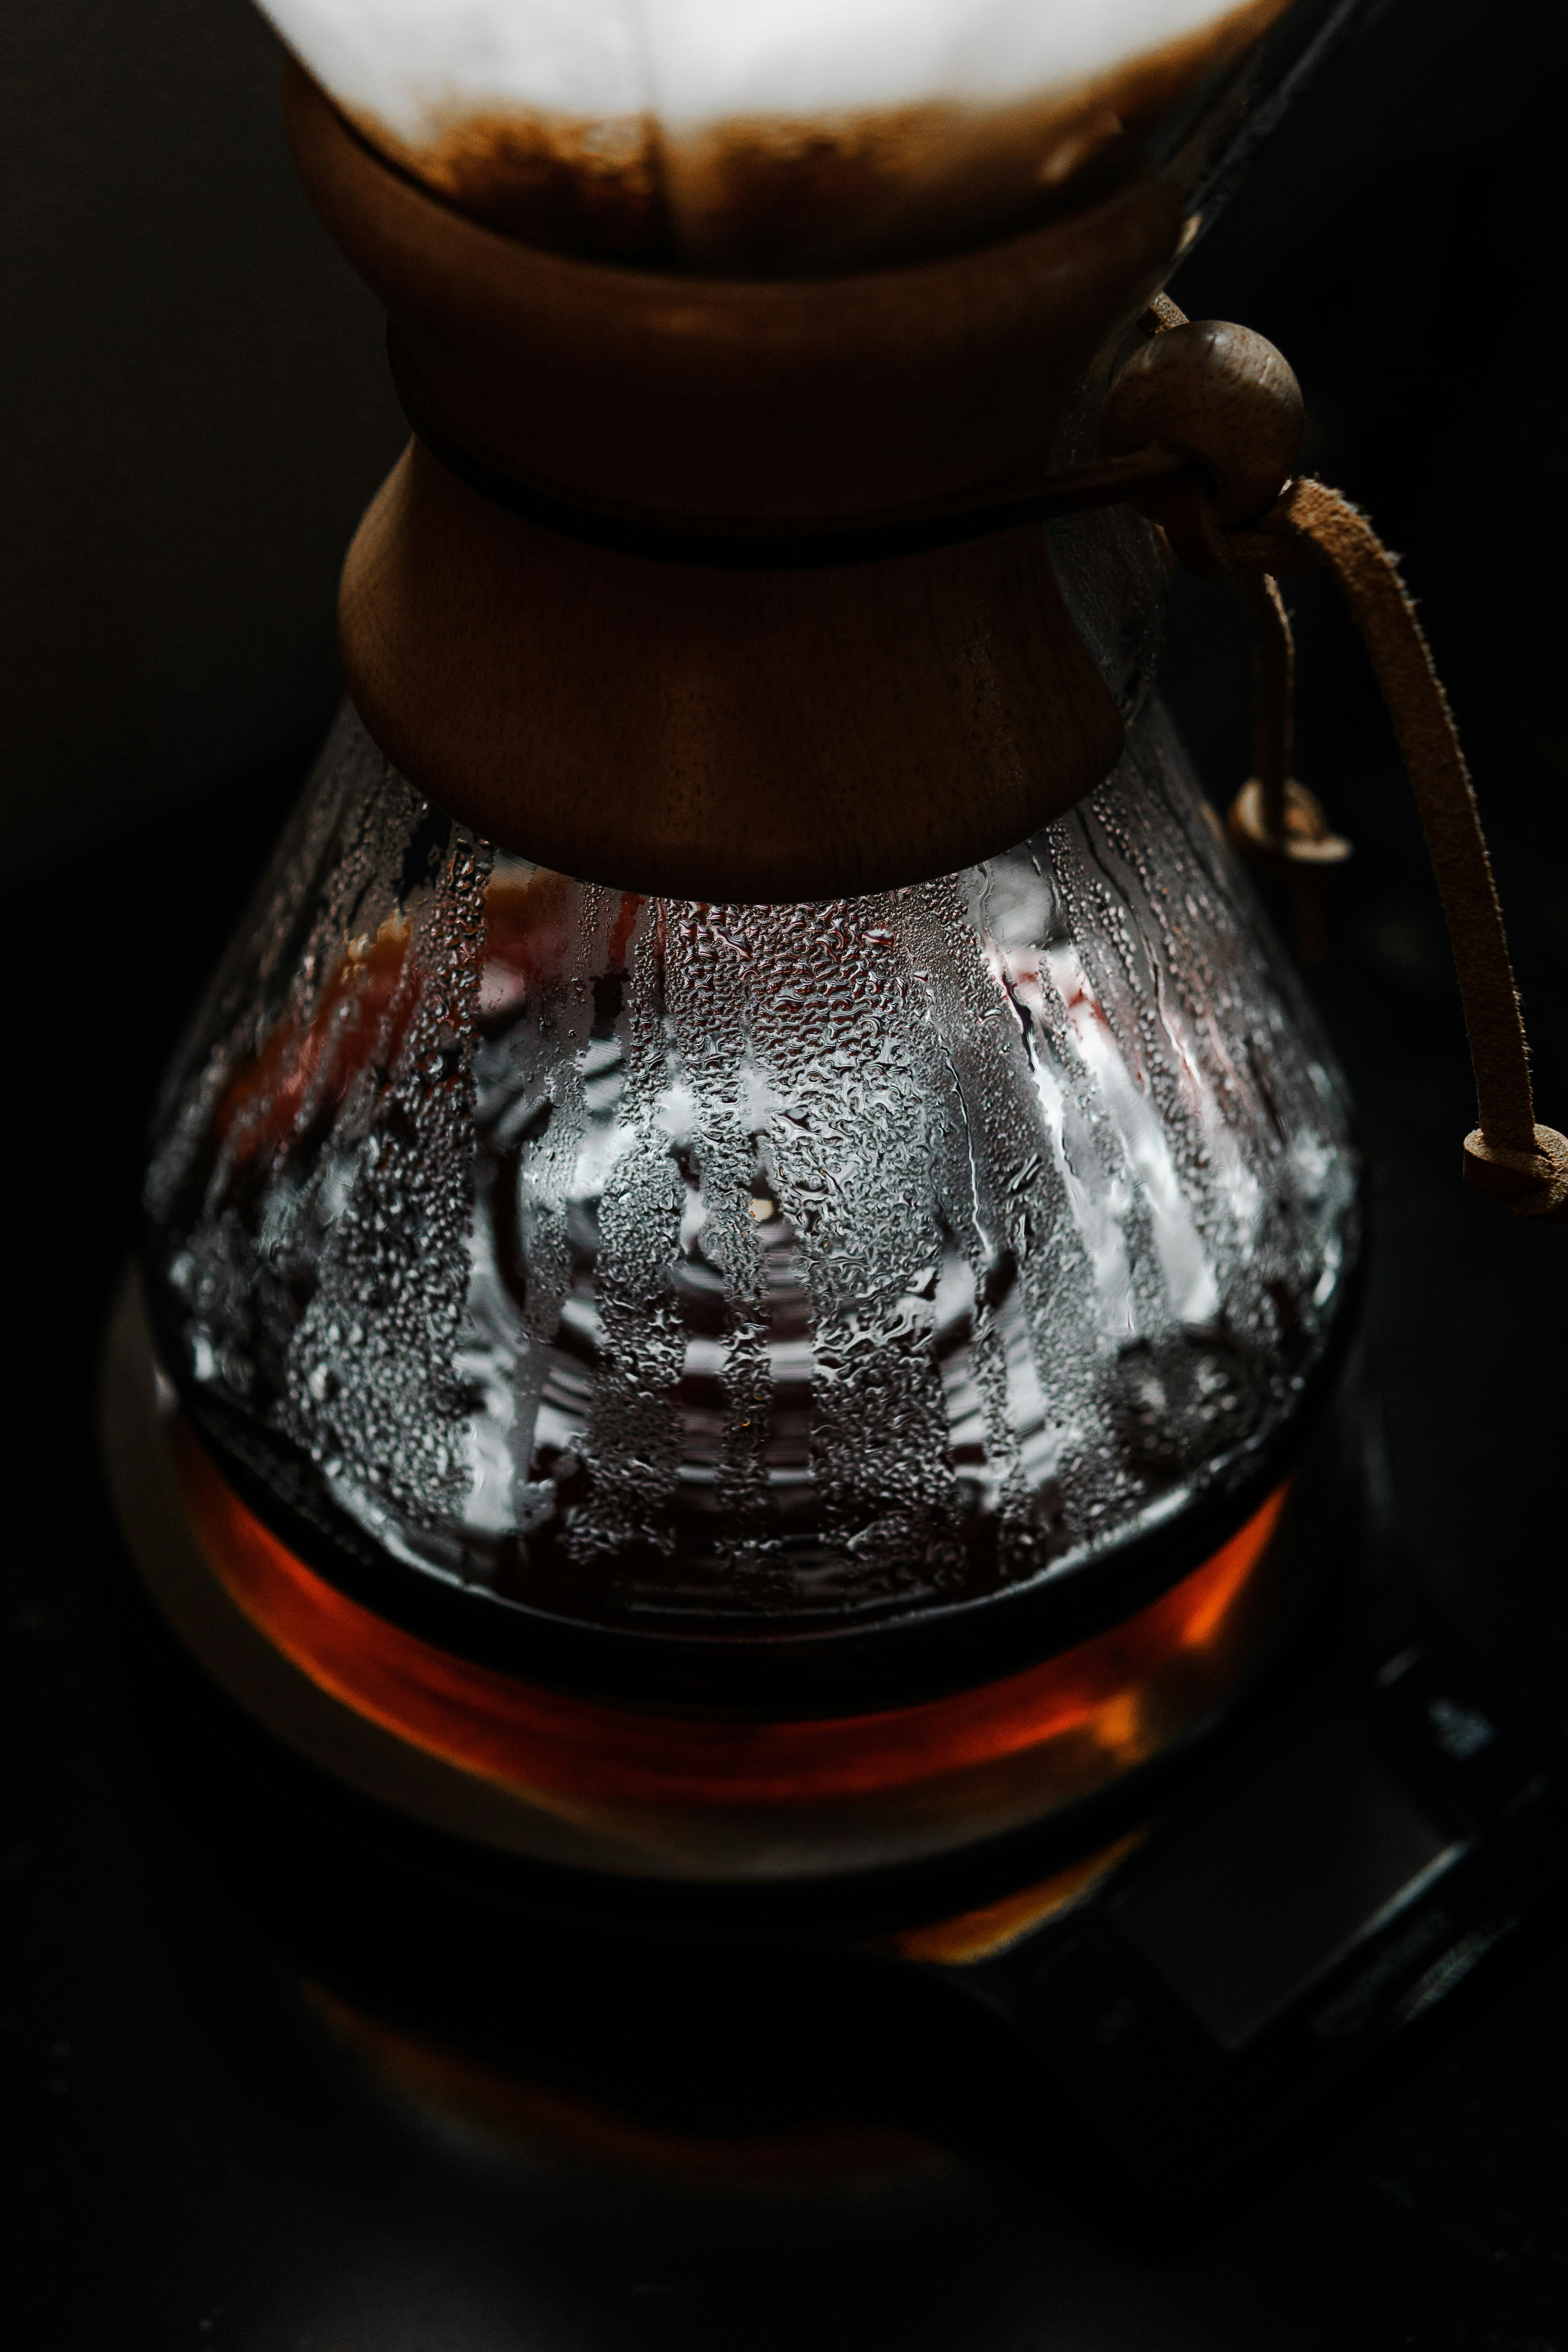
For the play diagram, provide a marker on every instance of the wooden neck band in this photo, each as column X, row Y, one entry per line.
column 767, row 730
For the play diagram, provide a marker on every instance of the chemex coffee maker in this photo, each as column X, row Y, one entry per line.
column 743, row 1350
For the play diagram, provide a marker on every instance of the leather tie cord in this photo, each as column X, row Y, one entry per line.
column 1275, row 822
column 1311, row 526
column 1224, row 398
column 1276, row 674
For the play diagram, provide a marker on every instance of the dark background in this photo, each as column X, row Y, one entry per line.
column 195, row 411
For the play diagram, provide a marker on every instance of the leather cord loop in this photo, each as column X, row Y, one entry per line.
column 1309, row 528
column 1312, row 527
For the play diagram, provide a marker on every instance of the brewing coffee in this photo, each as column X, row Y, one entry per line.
column 754, row 139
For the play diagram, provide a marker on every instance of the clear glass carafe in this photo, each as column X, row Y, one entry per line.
column 736, row 1273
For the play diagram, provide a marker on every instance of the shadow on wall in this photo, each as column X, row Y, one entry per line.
column 195, row 411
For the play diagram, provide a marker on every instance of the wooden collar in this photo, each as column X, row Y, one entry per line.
column 776, row 734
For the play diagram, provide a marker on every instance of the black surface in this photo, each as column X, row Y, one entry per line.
column 195, row 2164
column 1268, row 1891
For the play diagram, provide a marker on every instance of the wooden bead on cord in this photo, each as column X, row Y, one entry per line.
column 1219, row 394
